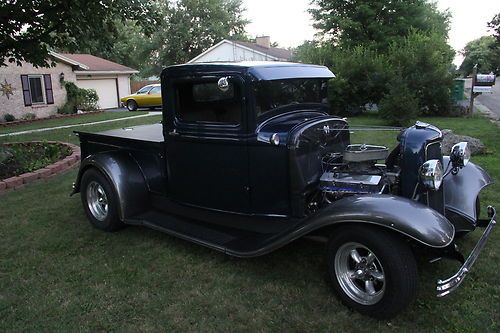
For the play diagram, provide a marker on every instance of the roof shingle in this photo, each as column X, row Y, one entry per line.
column 282, row 54
column 97, row 64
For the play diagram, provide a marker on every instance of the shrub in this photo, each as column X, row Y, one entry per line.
column 9, row 117
column 424, row 60
column 400, row 105
column 362, row 75
column 421, row 61
column 29, row 116
column 79, row 99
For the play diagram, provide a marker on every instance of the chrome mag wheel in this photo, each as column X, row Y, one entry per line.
column 359, row 273
column 97, row 201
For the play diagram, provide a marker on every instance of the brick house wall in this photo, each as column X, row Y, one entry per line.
column 11, row 77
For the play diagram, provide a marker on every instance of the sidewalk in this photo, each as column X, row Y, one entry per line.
column 78, row 125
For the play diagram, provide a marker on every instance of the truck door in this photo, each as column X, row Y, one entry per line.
column 206, row 146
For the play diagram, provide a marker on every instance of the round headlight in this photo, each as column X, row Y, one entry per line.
column 460, row 155
column 431, row 174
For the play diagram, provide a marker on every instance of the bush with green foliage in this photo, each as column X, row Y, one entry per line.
column 364, row 75
column 370, row 45
column 9, row 117
column 399, row 105
column 79, row 99
column 424, row 59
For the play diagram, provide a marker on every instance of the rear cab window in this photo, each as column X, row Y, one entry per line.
column 209, row 101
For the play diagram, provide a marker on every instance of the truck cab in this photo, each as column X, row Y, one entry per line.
column 248, row 158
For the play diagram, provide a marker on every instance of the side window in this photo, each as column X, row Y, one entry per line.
column 155, row 90
column 143, row 90
column 205, row 102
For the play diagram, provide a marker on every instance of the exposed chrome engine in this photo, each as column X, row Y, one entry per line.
column 355, row 171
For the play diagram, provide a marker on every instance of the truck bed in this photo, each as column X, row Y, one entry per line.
column 149, row 133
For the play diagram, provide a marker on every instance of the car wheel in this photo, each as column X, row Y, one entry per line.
column 99, row 201
column 131, row 105
column 373, row 271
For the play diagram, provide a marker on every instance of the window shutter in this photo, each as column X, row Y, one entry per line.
column 49, row 94
column 26, row 90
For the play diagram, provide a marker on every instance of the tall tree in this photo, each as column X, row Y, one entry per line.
column 494, row 25
column 377, row 23
column 29, row 29
column 192, row 26
column 484, row 53
column 124, row 42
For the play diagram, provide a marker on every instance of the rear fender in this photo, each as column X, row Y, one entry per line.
column 407, row 217
column 124, row 174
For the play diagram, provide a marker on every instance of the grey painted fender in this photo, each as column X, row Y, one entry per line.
column 125, row 175
column 462, row 189
column 402, row 215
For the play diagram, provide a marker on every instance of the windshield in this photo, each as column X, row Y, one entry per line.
column 270, row 95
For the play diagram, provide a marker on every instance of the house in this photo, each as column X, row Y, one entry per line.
column 110, row 80
column 234, row 51
column 28, row 89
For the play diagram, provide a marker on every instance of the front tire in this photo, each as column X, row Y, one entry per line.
column 373, row 271
column 131, row 105
column 100, row 201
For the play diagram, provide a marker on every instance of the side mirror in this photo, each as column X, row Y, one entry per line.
column 460, row 155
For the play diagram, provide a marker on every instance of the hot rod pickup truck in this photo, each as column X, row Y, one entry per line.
column 248, row 159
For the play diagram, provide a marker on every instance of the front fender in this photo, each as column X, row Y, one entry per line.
column 462, row 189
column 402, row 215
column 124, row 174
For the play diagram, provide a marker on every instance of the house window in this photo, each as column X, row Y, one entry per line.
column 36, row 89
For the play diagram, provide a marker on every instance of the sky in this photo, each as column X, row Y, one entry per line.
column 289, row 24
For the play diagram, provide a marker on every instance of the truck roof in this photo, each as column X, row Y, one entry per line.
column 261, row 70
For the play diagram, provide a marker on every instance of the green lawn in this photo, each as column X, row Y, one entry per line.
column 69, row 121
column 57, row 273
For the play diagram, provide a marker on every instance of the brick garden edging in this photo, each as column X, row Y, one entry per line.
column 56, row 168
column 56, row 116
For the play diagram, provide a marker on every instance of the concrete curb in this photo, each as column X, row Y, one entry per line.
column 59, row 167
column 487, row 112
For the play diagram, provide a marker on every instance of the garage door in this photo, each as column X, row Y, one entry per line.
column 106, row 90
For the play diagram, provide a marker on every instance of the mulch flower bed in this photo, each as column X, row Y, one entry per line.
column 25, row 162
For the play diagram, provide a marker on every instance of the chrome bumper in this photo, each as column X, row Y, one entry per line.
column 447, row 286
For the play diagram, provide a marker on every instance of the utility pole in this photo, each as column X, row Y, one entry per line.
column 472, row 94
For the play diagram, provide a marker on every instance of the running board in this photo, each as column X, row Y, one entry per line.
column 235, row 242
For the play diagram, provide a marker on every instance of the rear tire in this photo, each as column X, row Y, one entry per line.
column 100, row 201
column 131, row 105
column 372, row 271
